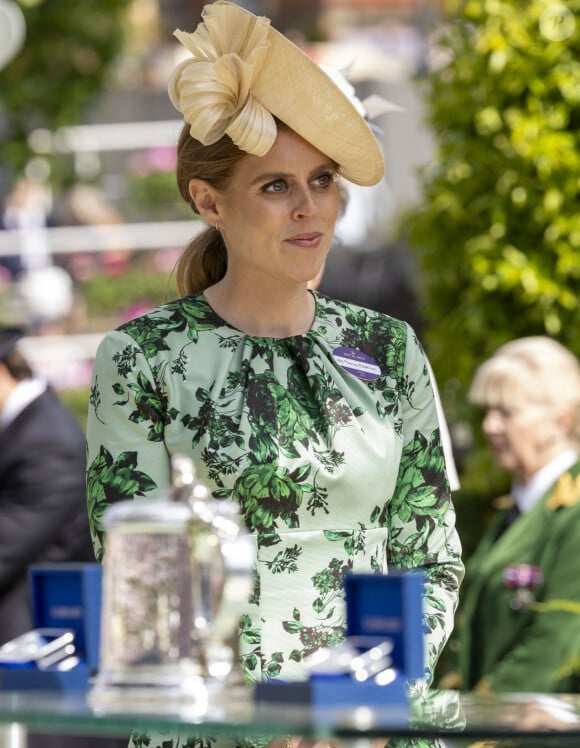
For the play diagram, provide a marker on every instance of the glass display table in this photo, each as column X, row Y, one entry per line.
column 456, row 719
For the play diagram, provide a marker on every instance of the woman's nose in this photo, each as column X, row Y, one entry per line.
column 305, row 204
column 492, row 421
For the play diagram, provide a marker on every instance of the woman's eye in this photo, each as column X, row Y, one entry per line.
column 326, row 179
column 278, row 186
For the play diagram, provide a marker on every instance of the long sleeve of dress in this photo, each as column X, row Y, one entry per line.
column 127, row 457
column 421, row 513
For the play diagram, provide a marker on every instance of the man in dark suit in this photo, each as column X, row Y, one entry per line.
column 43, row 508
column 43, row 514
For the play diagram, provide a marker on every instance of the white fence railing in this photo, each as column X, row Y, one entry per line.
column 72, row 239
column 66, row 361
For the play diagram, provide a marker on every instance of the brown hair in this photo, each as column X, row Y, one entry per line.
column 204, row 260
column 18, row 367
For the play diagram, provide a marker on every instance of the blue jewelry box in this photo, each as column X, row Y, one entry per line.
column 66, row 608
column 389, row 606
column 380, row 610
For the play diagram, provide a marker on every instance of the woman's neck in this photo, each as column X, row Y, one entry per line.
column 268, row 313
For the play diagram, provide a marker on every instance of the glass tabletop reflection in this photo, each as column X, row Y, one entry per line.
column 456, row 718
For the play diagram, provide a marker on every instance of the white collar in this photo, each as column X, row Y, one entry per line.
column 22, row 395
column 529, row 494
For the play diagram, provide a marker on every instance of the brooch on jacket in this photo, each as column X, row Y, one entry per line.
column 523, row 579
column 566, row 493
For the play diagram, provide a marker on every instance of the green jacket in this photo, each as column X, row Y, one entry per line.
column 520, row 618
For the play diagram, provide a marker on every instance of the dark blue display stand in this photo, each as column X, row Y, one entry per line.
column 378, row 608
column 389, row 607
column 64, row 596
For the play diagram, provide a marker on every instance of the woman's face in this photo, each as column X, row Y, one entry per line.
column 523, row 438
column 278, row 213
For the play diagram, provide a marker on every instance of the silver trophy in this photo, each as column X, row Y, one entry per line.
column 177, row 572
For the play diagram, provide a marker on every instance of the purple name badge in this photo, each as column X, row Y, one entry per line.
column 357, row 363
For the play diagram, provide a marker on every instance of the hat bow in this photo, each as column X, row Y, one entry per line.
column 213, row 89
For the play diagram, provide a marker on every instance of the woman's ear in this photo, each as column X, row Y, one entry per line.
column 204, row 197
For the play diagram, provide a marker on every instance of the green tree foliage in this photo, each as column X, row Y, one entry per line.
column 498, row 229
column 68, row 53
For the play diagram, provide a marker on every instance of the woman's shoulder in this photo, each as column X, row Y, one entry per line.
column 565, row 494
column 186, row 306
column 165, row 326
column 173, row 316
column 355, row 313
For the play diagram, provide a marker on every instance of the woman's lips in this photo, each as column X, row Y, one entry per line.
column 306, row 240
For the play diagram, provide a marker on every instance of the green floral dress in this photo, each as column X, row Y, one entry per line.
column 329, row 441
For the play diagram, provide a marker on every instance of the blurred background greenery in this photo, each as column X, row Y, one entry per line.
column 498, row 227
column 67, row 60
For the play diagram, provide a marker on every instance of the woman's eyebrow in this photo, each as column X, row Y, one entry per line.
column 272, row 176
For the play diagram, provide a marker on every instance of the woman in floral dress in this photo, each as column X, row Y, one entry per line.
column 318, row 417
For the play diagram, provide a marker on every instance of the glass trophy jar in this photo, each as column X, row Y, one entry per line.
column 177, row 572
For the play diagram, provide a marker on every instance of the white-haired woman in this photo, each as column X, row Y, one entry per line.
column 520, row 622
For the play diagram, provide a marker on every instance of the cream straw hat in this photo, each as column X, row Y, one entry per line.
column 243, row 73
